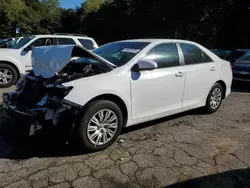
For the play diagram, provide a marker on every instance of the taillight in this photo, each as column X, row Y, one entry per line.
column 231, row 65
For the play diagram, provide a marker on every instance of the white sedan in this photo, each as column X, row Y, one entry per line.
column 118, row 85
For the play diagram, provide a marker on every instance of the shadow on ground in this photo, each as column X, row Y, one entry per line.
column 230, row 179
column 241, row 87
column 15, row 145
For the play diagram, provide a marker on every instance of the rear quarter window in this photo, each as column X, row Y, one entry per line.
column 194, row 55
column 65, row 41
column 86, row 43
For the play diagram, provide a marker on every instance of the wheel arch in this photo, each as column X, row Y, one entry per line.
column 114, row 98
column 13, row 65
column 224, row 87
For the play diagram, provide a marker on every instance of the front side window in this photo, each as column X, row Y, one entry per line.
column 119, row 53
column 165, row 55
column 194, row 55
column 87, row 44
column 65, row 41
column 43, row 42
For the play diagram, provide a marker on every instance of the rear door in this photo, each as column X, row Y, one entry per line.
column 201, row 74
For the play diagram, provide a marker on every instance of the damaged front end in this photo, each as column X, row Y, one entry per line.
column 39, row 101
column 41, row 106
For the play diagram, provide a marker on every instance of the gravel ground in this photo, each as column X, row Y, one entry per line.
column 187, row 150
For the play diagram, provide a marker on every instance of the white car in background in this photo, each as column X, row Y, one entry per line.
column 16, row 61
column 117, row 85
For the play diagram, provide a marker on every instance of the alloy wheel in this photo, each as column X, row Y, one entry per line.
column 102, row 127
column 5, row 76
column 215, row 98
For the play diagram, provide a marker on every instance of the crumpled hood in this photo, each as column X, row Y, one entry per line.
column 49, row 60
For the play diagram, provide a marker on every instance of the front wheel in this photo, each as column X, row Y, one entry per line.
column 214, row 98
column 8, row 75
column 101, row 124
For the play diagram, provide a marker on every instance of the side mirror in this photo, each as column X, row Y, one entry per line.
column 28, row 48
column 145, row 64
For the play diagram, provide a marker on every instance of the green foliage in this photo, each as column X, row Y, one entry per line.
column 10, row 11
column 31, row 16
column 212, row 23
column 91, row 5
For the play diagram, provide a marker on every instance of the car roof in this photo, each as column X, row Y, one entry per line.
column 63, row 36
column 157, row 40
column 243, row 50
column 231, row 49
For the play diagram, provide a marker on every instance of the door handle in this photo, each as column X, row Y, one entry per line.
column 212, row 69
column 179, row 74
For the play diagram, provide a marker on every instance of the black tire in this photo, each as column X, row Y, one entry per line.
column 90, row 110
column 208, row 107
column 12, row 71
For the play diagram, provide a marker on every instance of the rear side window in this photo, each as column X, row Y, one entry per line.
column 65, row 41
column 236, row 55
column 87, row 44
column 246, row 57
column 194, row 55
column 165, row 55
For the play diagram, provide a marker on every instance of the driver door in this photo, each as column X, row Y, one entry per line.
column 158, row 91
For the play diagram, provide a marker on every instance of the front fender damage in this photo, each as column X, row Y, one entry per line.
column 38, row 101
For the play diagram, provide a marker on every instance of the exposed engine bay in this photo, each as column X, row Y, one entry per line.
column 40, row 101
column 80, row 68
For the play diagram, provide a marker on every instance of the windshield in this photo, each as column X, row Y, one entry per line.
column 223, row 54
column 8, row 44
column 2, row 41
column 246, row 57
column 22, row 42
column 119, row 53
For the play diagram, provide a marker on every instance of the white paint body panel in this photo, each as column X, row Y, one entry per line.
column 88, row 88
column 199, row 81
column 153, row 94
column 162, row 90
column 13, row 56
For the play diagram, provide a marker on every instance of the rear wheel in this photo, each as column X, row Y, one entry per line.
column 8, row 75
column 101, row 124
column 214, row 98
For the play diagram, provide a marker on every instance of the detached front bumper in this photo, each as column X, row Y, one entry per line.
column 62, row 116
